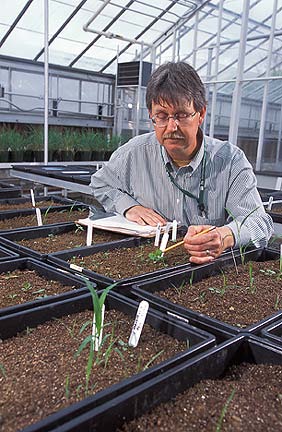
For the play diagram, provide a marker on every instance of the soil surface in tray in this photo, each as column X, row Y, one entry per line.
column 20, row 286
column 28, row 205
column 48, row 218
column 128, row 262
column 69, row 240
column 40, row 373
column 248, row 398
column 276, row 208
column 240, row 300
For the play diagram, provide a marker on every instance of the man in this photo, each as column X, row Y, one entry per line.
column 178, row 173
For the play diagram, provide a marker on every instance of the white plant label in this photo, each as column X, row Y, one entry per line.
column 89, row 234
column 164, row 241
column 76, row 267
column 98, row 337
column 174, row 230
column 32, row 197
column 270, row 201
column 138, row 323
column 158, row 234
column 38, row 216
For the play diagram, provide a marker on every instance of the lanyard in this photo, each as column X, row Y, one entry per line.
column 200, row 198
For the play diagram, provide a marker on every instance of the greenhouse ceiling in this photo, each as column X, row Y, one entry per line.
column 94, row 34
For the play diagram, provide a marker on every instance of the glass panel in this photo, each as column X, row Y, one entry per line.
column 27, row 90
column 69, row 92
column 4, row 82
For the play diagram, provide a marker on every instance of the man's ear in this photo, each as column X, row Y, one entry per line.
column 202, row 115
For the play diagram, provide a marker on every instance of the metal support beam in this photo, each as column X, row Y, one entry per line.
column 19, row 17
column 266, row 86
column 236, row 99
column 46, row 79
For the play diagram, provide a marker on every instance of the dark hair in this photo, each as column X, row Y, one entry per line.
column 174, row 83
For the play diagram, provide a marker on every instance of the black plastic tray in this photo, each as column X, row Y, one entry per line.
column 6, row 254
column 9, row 238
column 77, row 284
column 61, row 260
column 9, row 214
column 199, row 341
column 273, row 333
column 276, row 217
column 219, row 328
column 10, row 192
column 49, row 200
column 145, row 396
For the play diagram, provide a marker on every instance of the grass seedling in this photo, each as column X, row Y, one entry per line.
column 252, row 279
column 3, row 370
column 224, row 410
column 67, row 387
column 179, row 289
column 148, row 364
column 242, row 248
column 46, row 214
column 191, row 279
column 93, row 340
column 277, row 301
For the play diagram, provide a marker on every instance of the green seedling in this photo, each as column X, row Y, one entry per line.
column 191, row 279
column 268, row 272
column 45, row 215
column 252, row 279
column 277, row 301
column 224, row 410
column 29, row 330
column 67, row 387
column 26, row 286
column 242, row 248
column 79, row 228
column 3, row 370
column 147, row 365
column 156, row 256
column 91, row 340
column 13, row 296
column 179, row 289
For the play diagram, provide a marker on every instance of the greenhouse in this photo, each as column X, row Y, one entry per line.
column 141, row 215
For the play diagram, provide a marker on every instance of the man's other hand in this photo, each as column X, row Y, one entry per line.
column 144, row 216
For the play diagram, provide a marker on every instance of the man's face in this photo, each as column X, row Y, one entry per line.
column 178, row 137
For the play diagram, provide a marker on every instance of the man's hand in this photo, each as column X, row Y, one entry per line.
column 144, row 216
column 206, row 247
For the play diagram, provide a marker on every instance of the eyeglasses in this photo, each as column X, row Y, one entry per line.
column 162, row 119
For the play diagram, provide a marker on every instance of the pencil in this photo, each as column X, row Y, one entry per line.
column 182, row 241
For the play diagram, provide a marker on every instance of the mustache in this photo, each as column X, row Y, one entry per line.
column 173, row 136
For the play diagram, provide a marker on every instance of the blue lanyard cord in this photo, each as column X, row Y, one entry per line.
column 200, row 199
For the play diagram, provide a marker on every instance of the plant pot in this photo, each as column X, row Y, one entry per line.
column 160, row 326
column 169, row 294
column 82, row 155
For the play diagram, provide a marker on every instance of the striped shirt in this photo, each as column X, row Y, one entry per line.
column 136, row 174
